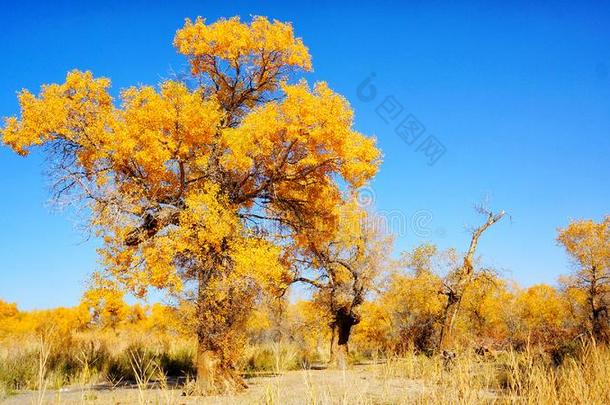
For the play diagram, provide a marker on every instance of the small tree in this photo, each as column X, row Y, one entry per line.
column 105, row 303
column 542, row 315
column 588, row 245
column 417, row 304
column 199, row 186
column 486, row 307
column 346, row 269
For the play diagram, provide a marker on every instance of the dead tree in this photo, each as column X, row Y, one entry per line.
column 458, row 280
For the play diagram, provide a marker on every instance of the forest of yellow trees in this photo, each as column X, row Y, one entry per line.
column 400, row 314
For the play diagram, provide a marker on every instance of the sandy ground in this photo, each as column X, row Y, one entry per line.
column 358, row 385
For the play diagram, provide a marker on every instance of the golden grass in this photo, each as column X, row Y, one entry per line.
column 528, row 377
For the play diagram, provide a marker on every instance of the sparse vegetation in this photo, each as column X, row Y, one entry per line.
column 161, row 363
column 528, row 376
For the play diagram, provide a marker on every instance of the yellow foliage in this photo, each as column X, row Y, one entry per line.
column 486, row 310
column 61, row 321
column 262, row 41
column 542, row 313
column 405, row 315
column 8, row 309
column 105, row 302
column 588, row 245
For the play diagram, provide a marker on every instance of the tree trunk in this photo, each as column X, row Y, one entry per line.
column 448, row 321
column 333, row 343
column 597, row 327
column 341, row 331
column 598, row 310
column 214, row 376
column 215, row 370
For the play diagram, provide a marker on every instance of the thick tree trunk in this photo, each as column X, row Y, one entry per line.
column 341, row 331
column 215, row 372
column 206, row 368
column 333, row 343
column 339, row 358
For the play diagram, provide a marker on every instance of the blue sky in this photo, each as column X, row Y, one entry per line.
column 517, row 94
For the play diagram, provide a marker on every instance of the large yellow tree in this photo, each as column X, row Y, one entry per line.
column 199, row 187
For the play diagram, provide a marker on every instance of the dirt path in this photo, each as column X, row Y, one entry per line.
column 360, row 385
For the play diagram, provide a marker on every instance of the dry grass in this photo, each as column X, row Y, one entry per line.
column 506, row 377
column 53, row 361
column 509, row 377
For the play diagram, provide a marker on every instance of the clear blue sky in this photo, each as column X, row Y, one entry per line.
column 518, row 94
